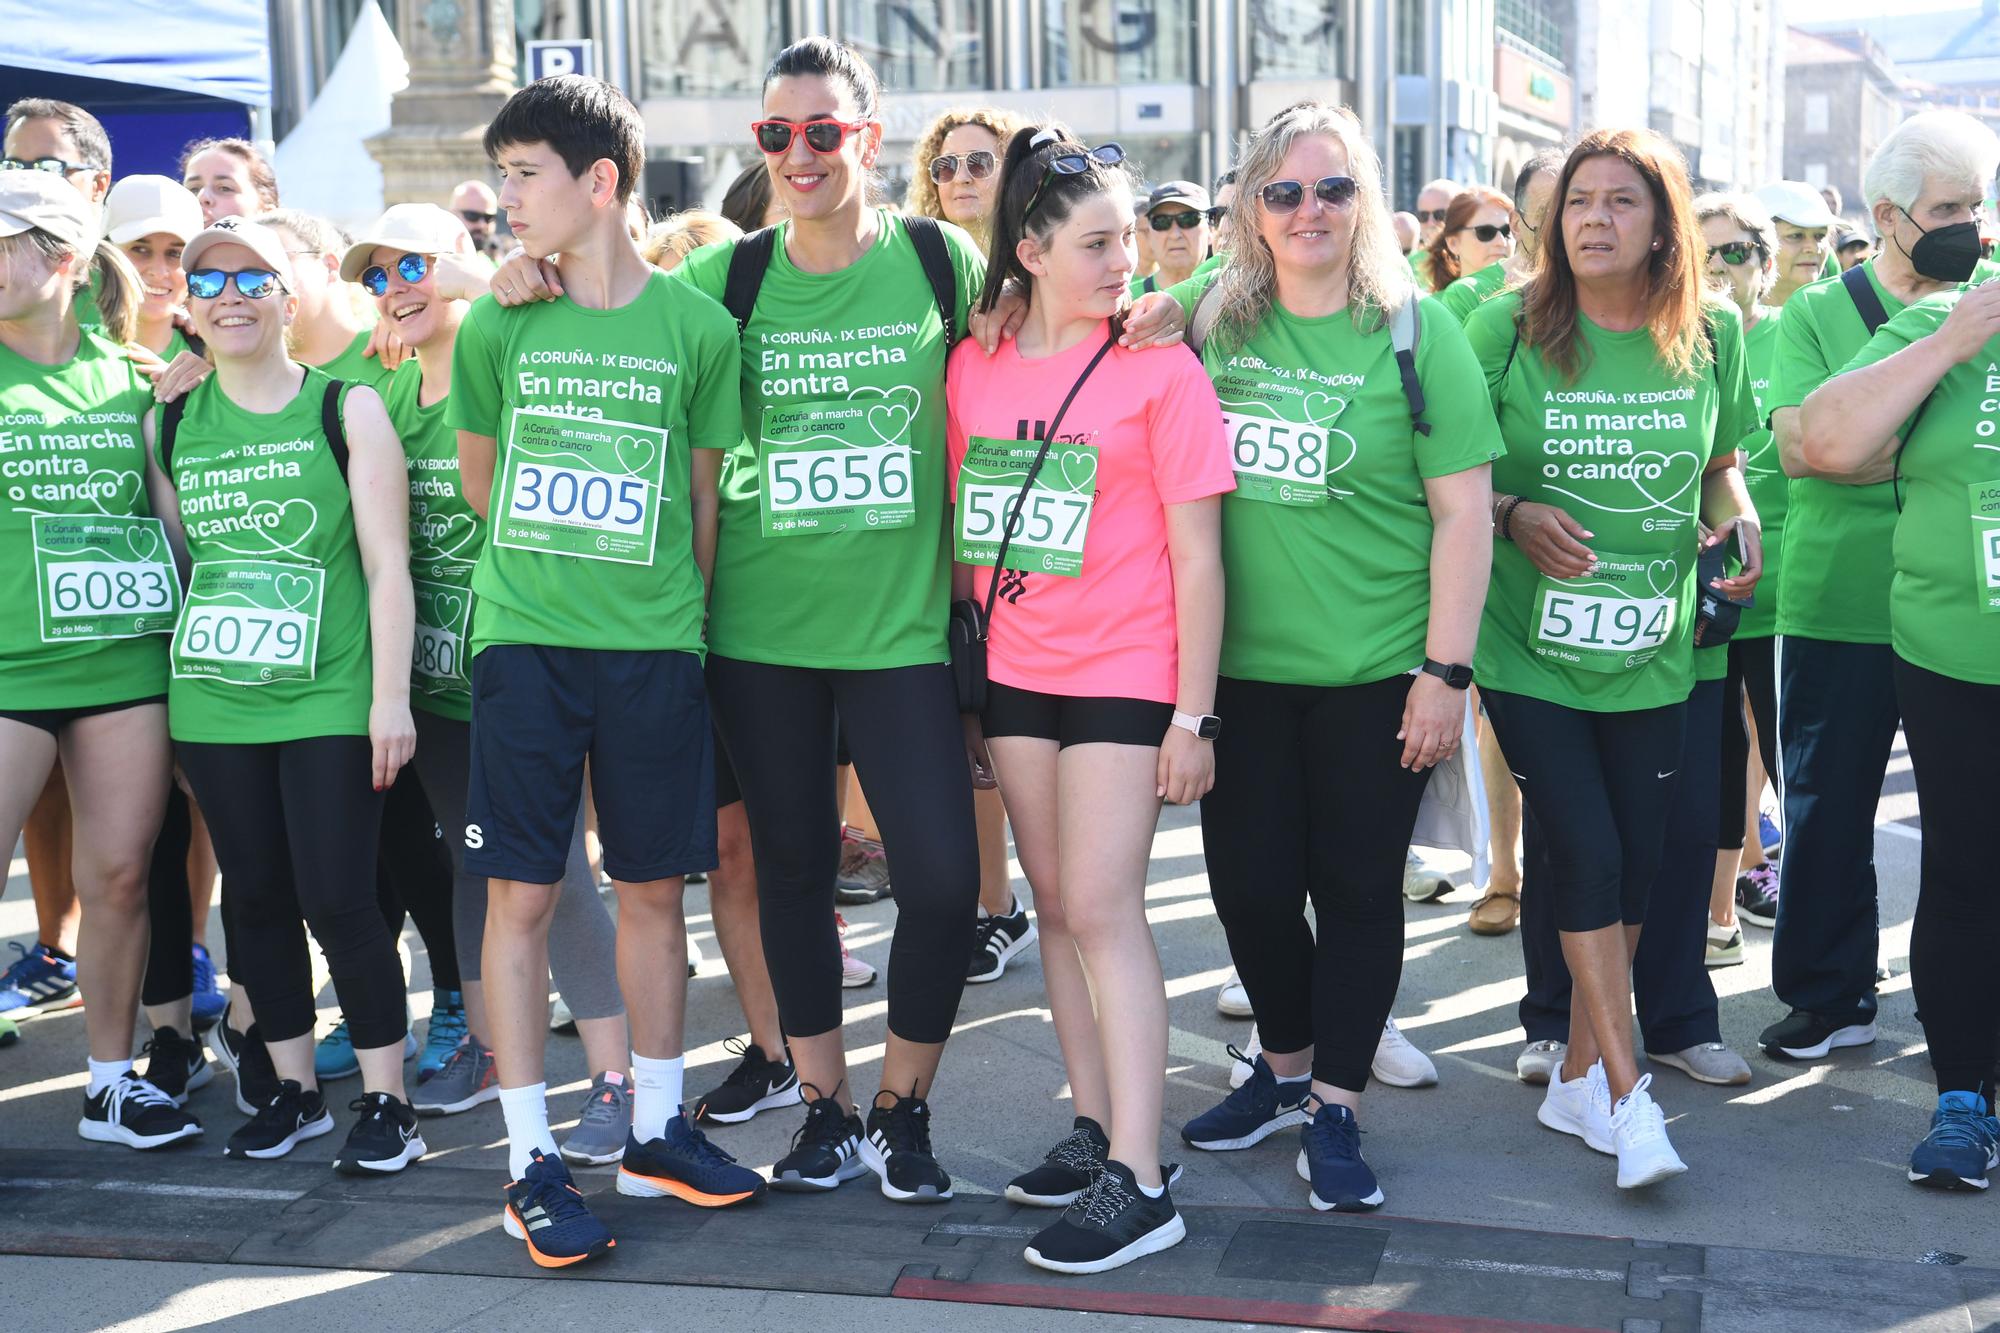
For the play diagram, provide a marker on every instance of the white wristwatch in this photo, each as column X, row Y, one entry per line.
column 1205, row 725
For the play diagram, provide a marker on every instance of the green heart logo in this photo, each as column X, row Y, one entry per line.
column 890, row 421
column 1664, row 576
column 294, row 590
column 144, row 544
column 116, row 500
column 449, row 607
column 282, row 521
column 1677, row 473
column 1079, row 470
column 1323, row 409
column 635, row 455
column 451, row 534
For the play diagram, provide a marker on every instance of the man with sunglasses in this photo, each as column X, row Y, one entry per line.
column 67, row 141
column 479, row 209
column 1433, row 202
column 1177, row 216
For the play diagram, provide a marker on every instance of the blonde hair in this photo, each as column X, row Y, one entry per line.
column 674, row 238
column 922, row 197
column 1378, row 277
column 117, row 281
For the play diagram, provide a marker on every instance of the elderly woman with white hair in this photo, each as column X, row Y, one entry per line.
column 1925, row 188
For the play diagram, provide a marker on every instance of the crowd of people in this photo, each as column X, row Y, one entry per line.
column 440, row 573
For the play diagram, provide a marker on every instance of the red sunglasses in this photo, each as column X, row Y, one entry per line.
column 822, row 136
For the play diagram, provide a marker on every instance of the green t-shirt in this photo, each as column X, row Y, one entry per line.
column 1464, row 296
column 1712, row 663
column 72, row 473
column 1420, row 264
column 1770, row 488
column 1621, row 449
column 355, row 368
column 595, row 412
column 273, row 644
column 85, row 304
column 1354, row 551
column 446, row 537
column 852, row 597
column 1150, row 283
column 1944, row 603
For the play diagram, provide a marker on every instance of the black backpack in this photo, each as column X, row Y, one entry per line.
column 752, row 256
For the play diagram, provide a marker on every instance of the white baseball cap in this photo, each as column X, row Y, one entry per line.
column 259, row 239
column 1797, row 203
column 142, row 205
column 418, row 229
column 43, row 201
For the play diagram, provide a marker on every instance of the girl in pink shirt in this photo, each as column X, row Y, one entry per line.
column 1102, row 654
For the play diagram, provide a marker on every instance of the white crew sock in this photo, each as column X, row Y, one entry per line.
column 103, row 1073
column 1152, row 1191
column 527, row 1114
column 656, row 1095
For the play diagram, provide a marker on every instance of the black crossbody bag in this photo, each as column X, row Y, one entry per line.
column 970, row 623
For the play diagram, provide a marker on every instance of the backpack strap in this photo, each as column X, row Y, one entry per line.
column 1405, row 327
column 747, row 263
column 166, row 428
column 1150, row 285
column 935, row 256
column 1207, row 310
column 1866, row 303
column 331, row 424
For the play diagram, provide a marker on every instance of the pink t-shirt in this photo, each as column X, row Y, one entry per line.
column 1109, row 632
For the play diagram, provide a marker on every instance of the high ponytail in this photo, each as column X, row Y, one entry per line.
column 1026, row 178
column 118, row 292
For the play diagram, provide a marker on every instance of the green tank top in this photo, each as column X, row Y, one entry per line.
column 87, row 585
column 446, row 537
column 272, row 644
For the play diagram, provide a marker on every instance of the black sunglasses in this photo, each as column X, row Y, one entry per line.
column 53, row 165
column 1734, row 253
column 1430, row 214
column 1486, row 231
column 824, row 136
column 1281, row 197
column 473, row 215
column 1069, row 164
column 979, row 165
column 412, row 268
column 1186, row 219
column 252, row 284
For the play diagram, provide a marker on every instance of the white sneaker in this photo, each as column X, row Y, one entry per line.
column 854, row 972
column 1725, row 945
column 1240, row 1070
column 1538, row 1060
column 1399, row 1064
column 560, row 1018
column 695, row 957
column 1580, row 1106
column 1710, row 1062
column 1639, row 1133
column 1232, row 1001
column 1420, row 883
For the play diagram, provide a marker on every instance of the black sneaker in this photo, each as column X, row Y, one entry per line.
column 135, row 1113
column 176, row 1065
column 758, row 1083
column 1804, row 1036
column 383, row 1141
column 898, row 1149
column 1066, row 1170
column 243, row 1054
column 826, row 1150
column 1110, row 1226
column 995, row 942
column 292, row 1116
column 1757, row 895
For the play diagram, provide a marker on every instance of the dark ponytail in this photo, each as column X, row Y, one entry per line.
column 830, row 60
column 1022, row 176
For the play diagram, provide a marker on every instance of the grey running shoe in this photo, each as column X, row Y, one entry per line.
column 864, row 870
column 606, row 1122
column 467, row 1079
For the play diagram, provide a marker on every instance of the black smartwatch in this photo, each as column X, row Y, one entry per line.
column 1205, row 725
column 1458, row 677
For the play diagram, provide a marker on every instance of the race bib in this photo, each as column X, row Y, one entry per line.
column 836, row 467
column 1985, row 496
column 1283, row 462
column 103, row 578
column 1612, row 619
column 250, row 622
column 437, row 652
column 581, row 486
column 1052, row 519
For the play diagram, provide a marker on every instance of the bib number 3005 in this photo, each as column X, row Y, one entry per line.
column 1615, row 618
column 1052, row 520
column 582, row 486
column 250, row 622
column 102, row 577
column 836, row 467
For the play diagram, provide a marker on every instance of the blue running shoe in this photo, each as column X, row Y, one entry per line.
column 334, row 1057
column 1330, row 1161
column 445, row 1031
column 686, row 1165
column 545, row 1209
column 208, row 1001
column 1963, row 1145
column 40, row 980
column 1768, row 836
column 1252, row 1113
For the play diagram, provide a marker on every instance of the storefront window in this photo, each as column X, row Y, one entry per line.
column 1298, row 39
column 920, row 45
column 696, row 48
column 1117, row 41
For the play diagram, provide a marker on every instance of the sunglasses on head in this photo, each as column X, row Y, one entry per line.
column 1734, row 253
column 252, row 284
column 1069, row 164
column 1430, row 214
column 1283, row 197
column 1185, row 219
column 823, row 136
column 474, row 215
column 53, row 165
column 1486, row 231
column 413, row 269
column 979, row 165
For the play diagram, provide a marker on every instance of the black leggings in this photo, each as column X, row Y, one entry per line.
column 170, row 954
column 296, row 824
column 413, row 874
column 1600, row 785
column 909, row 751
column 1752, row 680
column 1311, row 800
column 1953, row 730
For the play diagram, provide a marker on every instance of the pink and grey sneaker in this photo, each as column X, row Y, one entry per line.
column 853, row 972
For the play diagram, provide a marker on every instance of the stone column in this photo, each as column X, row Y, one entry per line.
column 461, row 55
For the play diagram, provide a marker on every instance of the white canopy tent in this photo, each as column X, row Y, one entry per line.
column 323, row 165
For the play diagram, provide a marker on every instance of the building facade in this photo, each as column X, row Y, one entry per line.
column 1842, row 98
